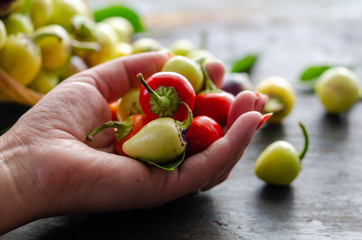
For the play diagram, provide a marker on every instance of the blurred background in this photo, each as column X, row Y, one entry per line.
column 288, row 35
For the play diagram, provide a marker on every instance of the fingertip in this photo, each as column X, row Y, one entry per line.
column 243, row 102
column 260, row 101
column 251, row 118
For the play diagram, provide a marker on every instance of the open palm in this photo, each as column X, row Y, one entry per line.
column 63, row 173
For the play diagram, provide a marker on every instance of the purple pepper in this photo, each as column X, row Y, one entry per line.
column 236, row 82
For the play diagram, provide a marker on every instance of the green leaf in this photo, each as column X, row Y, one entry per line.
column 168, row 166
column 245, row 64
column 313, row 72
column 120, row 11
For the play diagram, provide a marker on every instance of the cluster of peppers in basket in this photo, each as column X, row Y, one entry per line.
column 166, row 120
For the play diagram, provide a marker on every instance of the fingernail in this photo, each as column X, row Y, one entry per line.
column 263, row 120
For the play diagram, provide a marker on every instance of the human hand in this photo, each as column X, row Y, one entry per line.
column 48, row 168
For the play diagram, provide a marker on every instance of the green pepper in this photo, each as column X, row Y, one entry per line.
column 280, row 163
column 107, row 39
column 44, row 81
column 40, row 12
column 338, row 89
column 57, row 45
column 161, row 141
column 64, row 11
column 146, row 44
column 20, row 58
column 129, row 104
column 182, row 47
column 54, row 42
column 83, row 28
column 17, row 22
column 190, row 69
column 122, row 27
column 281, row 97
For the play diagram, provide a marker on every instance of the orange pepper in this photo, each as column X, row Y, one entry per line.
column 113, row 107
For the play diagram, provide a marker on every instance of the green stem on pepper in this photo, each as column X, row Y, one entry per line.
column 88, row 46
column 38, row 36
column 209, row 85
column 72, row 43
column 306, row 141
column 122, row 129
column 185, row 125
column 164, row 101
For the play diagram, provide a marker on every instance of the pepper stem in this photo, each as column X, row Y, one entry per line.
column 83, row 28
column 38, row 36
column 122, row 129
column 89, row 46
column 185, row 125
column 74, row 44
column 209, row 85
column 164, row 101
column 158, row 100
column 306, row 141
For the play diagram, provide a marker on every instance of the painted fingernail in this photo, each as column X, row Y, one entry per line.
column 263, row 120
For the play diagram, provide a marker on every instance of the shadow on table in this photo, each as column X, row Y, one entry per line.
column 335, row 120
column 267, row 134
column 276, row 194
column 276, row 202
column 191, row 217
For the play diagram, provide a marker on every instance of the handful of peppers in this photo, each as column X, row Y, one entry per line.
column 166, row 119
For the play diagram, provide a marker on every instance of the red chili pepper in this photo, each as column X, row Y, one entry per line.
column 201, row 134
column 124, row 130
column 213, row 102
column 162, row 93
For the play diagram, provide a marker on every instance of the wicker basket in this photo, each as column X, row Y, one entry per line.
column 12, row 91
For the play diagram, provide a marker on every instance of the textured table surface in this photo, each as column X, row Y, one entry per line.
column 324, row 202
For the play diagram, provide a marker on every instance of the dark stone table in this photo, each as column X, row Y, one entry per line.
column 324, row 202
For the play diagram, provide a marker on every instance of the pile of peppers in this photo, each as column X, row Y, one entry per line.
column 165, row 120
